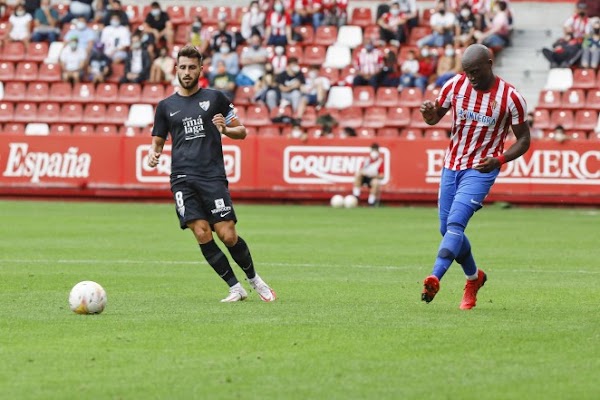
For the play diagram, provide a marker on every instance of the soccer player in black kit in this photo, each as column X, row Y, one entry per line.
column 196, row 118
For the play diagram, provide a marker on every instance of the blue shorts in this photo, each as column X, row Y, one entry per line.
column 469, row 187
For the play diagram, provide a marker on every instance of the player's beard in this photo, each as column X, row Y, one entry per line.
column 191, row 85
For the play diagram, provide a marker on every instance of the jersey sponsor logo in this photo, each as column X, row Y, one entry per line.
column 204, row 105
column 475, row 116
column 193, row 128
column 221, row 208
column 22, row 163
column 328, row 164
column 232, row 158
column 552, row 167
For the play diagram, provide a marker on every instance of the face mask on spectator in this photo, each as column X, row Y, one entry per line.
column 295, row 68
column 369, row 47
column 394, row 11
column 278, row 8
column 224, row 49
column 115, row 22
column 196, row 28
column 254, row 10
column 73, row 45
column 465, row 13
column 425, row 53
column 449, row 52
column 136, row 45
column 20, row 13
column 80, row 25
column 155, row 12
column 312, row 74
column 279, row 50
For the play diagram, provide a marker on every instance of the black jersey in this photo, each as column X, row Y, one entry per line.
column 196, row 150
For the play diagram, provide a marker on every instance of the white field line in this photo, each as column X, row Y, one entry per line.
column 271, row 264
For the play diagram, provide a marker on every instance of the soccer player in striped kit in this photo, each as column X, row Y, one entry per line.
column 484, row 109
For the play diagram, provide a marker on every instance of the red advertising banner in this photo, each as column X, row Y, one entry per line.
column 285, row 169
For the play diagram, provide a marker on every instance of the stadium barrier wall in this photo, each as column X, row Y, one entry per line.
column 281, row 169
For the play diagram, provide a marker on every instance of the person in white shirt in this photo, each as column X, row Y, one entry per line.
column 253, row 60
column 370, row 174
column 19, row 25
column 442, row 24
column 253, row 21
column 72, row 61
column 498, row 33
column 116, row 39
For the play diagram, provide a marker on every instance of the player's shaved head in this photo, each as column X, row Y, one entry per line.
column 477, row 64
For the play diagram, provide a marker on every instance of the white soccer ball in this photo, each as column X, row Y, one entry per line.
column 350, row 201
column 337, row 201
column 87, row 297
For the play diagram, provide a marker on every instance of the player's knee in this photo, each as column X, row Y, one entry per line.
column 228, row 236
column 201, row 231
column 446, row 253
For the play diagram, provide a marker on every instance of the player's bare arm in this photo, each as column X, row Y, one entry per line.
column 515, row 151
column 155, row 151
column 235, row 130
column 432, row 112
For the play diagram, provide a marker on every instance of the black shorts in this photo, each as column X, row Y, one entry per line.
column 366, row 180
column 200, row 199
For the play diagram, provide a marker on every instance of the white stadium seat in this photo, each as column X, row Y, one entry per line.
column 140, row 115
column 350, row 36
column 339, row 97
column 337, row 57
column 37, row 129
column 559, row 79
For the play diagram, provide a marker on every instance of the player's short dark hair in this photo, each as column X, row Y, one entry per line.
column 293, row 60
column 190, row 51
column 375, row 146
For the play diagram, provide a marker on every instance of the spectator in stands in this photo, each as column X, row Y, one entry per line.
column 307, row 12
column 78, row 8
column 99, row 66
column 158, row 24
column 314, row 91
column 564, row 53
column 200, row 38
column 590, row 57
column 222, row 35
column 578, row 24
column 162, row 67
column 267, row 90
column 72, row 62
column 370, row 174
column 115, row 8
column 427, row 65
column 409, row 69
column 223, row 80
column 442, row 26
column 448, row 65
column 253, row 61
column 465, row 27
column 279, row 60
column 290, row 82
column 137, row 63
column 4, row 11
column 390, row 73
column 230, row 58
column 30, row 6
column 335, row 12
column 392, row 26
column 498, row 33
column 253, row 21
column 86, row 36
column 368, row 63
column 410, row 11
column 535, row 132
column 19, row 25
column 559, row 134
column 116, row 39
column 45, row 23
column 278, row 30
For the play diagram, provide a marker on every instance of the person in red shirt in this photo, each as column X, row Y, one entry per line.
column 392, row 26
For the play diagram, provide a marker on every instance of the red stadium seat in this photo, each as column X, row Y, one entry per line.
column 25, row 112
column 562, row 117
column 431, row 94
column 425, row 16
column 389, row 131
column 411, row 134
column 60, row 92
column 325, row 35
column 118, row 71
column 257, row 115
column 386, row 97
column 7, row 111
column 417, row 33
column 83, row 92
column 71, row 113
column 307, row 33
column 363, row 132
column 223, row 12
column 14, row 91
column 541, row 118
column 417, row 119
column 202, row 12
column 107, row 130
column 129, row 130
column 13, row 51
column 586, row 120
column 152, row 93
column 177, row 14
column 38, row 91
column 361, row 16
column 83, row 129
column 592, row 99
column 244, row 95
column 584, row 79
column 13, row 128
column 314, row 55
column 26, row 71
column 351, row 117
column 309, row 118
column 240, row 111
column 295, row 51
column 107, row 92
column 364, row 96
column 133, row 14
column 130, row 93
column 4, row 27
column 372, row 32
column 575, row 134
column 49, row 112
column 60, row 129
column 182, row 33
column 435, row 134
column 375, row 117
column 573, row 99
column 117, row 114
column 49, row 73
column 7, row 71
column 398, row 116
column 268, row 130
column 411, row 97
column 549, row 99
column 37, row 51
column 333, row 74
column 94, row 113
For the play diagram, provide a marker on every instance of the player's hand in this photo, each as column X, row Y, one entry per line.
column 153, row 158
column 429, row 110
column 219, row 121
column 488, row 164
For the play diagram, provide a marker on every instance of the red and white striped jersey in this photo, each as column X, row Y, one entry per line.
column 369, row 62
column 480, row 119
column 372, row 167
column 278, row 23
column 580, row 26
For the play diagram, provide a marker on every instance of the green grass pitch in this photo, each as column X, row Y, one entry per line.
column 348, row 324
